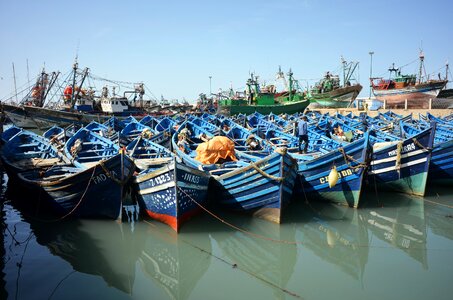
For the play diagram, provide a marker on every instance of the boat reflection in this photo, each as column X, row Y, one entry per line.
column 400, row 222
column 439, row 212
column 173, row 261
column 268, row 253
column 97, row 247
column 336, row 234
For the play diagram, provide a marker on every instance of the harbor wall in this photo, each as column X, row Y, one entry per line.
column 373, row 113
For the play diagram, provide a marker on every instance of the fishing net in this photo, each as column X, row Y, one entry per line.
column 219, row 148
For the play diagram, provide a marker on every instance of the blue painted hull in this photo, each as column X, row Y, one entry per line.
column 168, row 194
column 314, row 174
column 441, row 166
column 95, row 192
column 248, row 190
column 27, row 150
column 408, row 174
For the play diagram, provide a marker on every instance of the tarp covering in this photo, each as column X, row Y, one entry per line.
column 219, row 147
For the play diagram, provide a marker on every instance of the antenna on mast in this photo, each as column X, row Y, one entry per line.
column 28, row 74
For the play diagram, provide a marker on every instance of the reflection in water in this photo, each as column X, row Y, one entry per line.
column 439, row 212
column 101, row 248
column 401, row 223
column 341, row 235
column 272, row 261
column 338, row 235
column 173, row 261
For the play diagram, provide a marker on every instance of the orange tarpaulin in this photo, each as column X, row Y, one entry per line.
column 219, row 147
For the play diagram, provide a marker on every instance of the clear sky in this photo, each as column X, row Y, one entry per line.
column 174, row 46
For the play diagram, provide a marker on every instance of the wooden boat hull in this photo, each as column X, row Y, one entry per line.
column 441, row 166
column 339, row 98
column 27, row 150
column 408, row 173
column 96, row 192
column 417, row 96
column 287, row 107
column 18, row 116
column 172, row 194
column 263, row 188
column 350, row 162
column 43, row 118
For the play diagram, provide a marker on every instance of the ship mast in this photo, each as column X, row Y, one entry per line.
column 420, row 71
column 290, row 76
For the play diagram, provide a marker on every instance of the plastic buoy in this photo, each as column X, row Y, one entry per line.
column 333, row 177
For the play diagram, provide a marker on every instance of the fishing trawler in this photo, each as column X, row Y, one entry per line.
column 407, row 90
column 264, row 100
column 330, row 93
column 77, row 104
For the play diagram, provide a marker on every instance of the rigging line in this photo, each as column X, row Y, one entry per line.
column 238, row 228
column 244, row 270
column 19, row 266
column 61, row 281
column 17, row 242
column 437, row 203
column 110, row 80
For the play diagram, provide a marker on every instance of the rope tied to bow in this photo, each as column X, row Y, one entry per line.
column 348, row 159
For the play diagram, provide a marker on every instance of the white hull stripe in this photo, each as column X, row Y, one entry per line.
column 172, row 184
column 412, row 153
column 158, row 188
column 393, row 168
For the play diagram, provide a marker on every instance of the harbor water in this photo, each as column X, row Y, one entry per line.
column 395, row 247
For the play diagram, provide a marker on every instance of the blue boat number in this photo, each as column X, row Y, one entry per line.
column 341, row 174
column 407, row 148
column 103, row 177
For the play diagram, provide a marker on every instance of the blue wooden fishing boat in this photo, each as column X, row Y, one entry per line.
column 115, row 124
column 146, row 153
column 260, row 186
column 166, row 124
column 93, row 192
column 172, row 192
column 441, row 164
column 27, row 150
column 166, row 189
column 402, row 165
column 213, row 129
column 9, row 133
column 350, row 162
column 149, row 121
column 86, row 148
column 136, row 129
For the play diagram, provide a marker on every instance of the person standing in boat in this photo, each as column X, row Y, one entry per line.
column 328, row 129
column 303, row 134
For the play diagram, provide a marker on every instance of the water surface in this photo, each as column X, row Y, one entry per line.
column 396, row 247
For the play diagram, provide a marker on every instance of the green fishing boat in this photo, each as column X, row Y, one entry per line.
column 264, row 100
column 330, row 93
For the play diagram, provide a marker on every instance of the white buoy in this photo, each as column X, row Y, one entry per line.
column 331, row 238
column 333, row 177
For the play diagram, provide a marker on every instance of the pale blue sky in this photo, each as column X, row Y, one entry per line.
column 174, row 46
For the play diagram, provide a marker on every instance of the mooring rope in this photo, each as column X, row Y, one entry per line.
column 347, row 158
column 78, row 204
column 416, row 142
column 437, row 203
column 238, row 228
column 278, row 179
